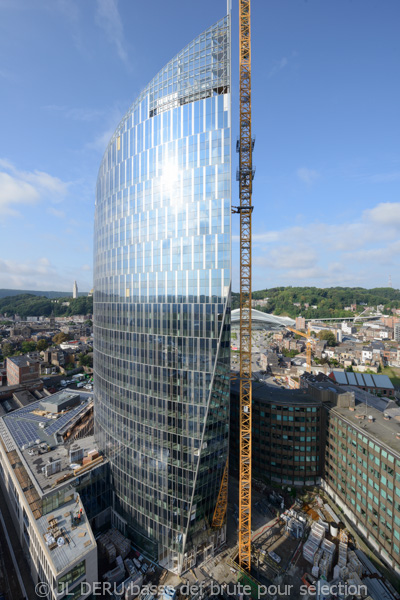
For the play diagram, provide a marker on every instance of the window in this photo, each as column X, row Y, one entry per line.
column 76, row 573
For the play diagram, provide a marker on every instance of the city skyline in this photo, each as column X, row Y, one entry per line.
column 325, row 121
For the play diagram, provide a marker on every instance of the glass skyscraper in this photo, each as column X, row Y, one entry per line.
column 162, row 303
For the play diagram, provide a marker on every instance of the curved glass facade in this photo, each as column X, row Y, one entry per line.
column 162, row 302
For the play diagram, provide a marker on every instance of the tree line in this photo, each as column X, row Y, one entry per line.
column 330, row 302
column 28, row 305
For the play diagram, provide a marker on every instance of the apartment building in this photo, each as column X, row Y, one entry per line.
column 22, row 369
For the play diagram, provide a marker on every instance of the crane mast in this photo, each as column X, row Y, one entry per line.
column 245, row 177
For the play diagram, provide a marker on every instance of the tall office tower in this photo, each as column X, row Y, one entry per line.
column 162, row 303
column 75, row 290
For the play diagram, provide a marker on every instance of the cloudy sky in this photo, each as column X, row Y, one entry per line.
column 326, row 120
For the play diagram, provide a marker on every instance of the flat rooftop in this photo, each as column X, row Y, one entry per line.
column 35, row 463
column 23, row 361
column 385, row 431
column 74, row 540
column 266, row 393
column 33, row 425
column 37, row 436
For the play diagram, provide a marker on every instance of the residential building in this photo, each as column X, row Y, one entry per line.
column 397, row 332
column 22, row 369
column 300, row 323
column 348, row 329
column 162, row 304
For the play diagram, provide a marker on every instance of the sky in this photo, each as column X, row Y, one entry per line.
column 325, row 97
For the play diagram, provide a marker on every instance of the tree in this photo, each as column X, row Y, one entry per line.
column 7, row 349
column 84, row 360
column 28, row 347
column 42, row 345
column 329, row 336
column 59, row 338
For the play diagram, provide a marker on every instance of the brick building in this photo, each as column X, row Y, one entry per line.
column 22, row 369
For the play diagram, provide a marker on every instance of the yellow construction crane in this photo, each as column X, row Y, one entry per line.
column 308, row 344
column 222, row 500
column 245, row 176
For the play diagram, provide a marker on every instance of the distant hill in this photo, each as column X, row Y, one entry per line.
column 29, row 305
column 51, row 295
column 329, row 302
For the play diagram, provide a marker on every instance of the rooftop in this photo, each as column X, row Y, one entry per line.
column 22, row 361
column 35, row 424
column 60, row 457
column 267, row 393
column 262, row 318
column 65, row 538
column 383, row 430
column 363, row 380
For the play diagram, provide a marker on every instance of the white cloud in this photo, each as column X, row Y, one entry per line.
column 27, row 188
column 288, row 257
column 14, row 192
column 386, row 213
column 108, row 18
column 100, row 143
column 26, row 275
column 357, row 252
column 38, row 274
column 385, row 177
column 86, row 268
column 60, row 214
column 309, row 176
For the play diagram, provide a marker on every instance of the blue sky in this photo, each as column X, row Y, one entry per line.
column 325, row 116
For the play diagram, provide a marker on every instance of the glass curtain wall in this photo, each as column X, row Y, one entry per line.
column 162, row 302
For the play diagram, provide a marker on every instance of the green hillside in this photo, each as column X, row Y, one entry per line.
column 29, row 305
column 4, row 293
column 329, row 301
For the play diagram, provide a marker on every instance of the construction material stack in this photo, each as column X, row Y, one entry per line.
column 113, row 544
column 107, row 548
column 121, row 543
column 315, row 538
column 328, row 548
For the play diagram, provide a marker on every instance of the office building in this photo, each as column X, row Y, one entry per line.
column 346, row 441
column 52, row 505
column 288, row 428
column 362, row 474
column 162, row 304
